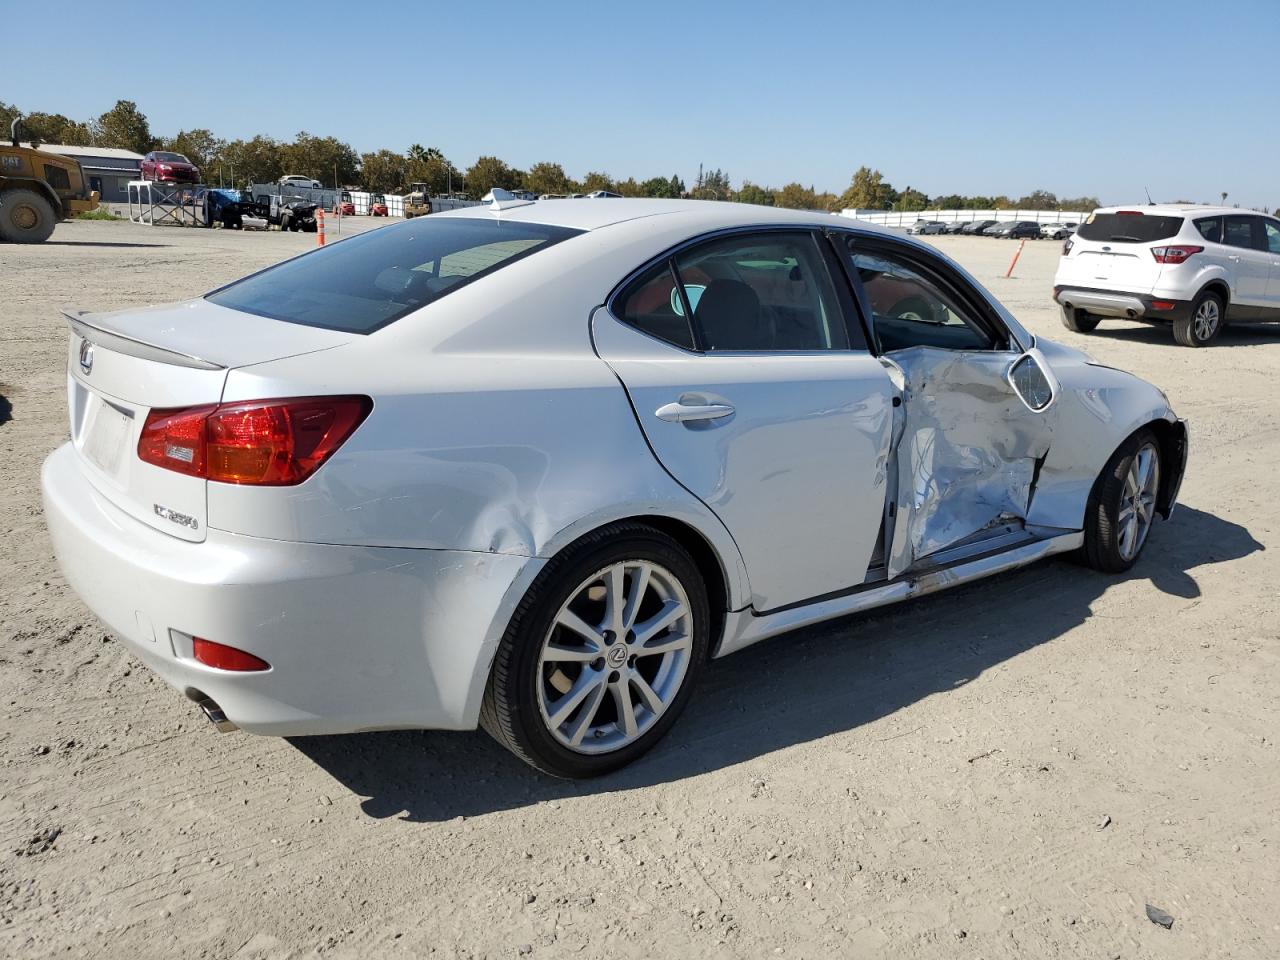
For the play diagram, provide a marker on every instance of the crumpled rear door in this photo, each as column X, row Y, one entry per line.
column 968, row 452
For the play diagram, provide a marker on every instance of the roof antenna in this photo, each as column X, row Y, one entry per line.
column 1150, row 202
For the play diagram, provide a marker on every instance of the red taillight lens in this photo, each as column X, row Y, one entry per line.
column 226, row 658
column 1177, row 254
column 263, row 442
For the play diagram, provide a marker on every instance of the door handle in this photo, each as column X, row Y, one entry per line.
column 1233, row 257
column 685, row 412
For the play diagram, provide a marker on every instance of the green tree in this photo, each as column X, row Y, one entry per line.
column 382, row 171
column 630, row 188
column 242, row 162
column 595, row 180
column 321, row 158
column 796, row 196
column 55, row 128
column 124, row 126
column 547, row 178
column 1079, row 203
column 436, row 172
column 714, row 185
column 676, row 186
column 754, row 193
column 662, row 187
column 8, row 113
column 489, row 172
column 911, row 199
column 1038, row 200
column 868, row 191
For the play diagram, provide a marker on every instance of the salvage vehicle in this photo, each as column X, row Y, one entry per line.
column 166, row 167
column 1195, row 268
column 530, row 465
column 295, row 214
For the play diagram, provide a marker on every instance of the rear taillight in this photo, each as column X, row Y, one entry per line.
column 261, row 443
column 1175, row 254
column 226, row 658
column 1066, row 246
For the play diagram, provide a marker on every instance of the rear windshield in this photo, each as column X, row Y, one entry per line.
column 170, row 157
column 1129, row 228
column 374, row 279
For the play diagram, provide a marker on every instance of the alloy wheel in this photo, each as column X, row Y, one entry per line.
column 1206, row 319
column 1138, row 500
column 615, row 657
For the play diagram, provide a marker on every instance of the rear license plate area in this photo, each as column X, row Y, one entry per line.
column 108, row 437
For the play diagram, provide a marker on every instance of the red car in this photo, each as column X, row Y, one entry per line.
column 169, row 168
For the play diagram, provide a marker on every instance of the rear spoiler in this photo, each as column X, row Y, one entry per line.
column 97, row 331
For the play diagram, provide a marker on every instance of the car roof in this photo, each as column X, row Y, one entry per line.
column 594, row 213
column 1178, row 209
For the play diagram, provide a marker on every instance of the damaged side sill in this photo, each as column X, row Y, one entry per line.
column 746, row 627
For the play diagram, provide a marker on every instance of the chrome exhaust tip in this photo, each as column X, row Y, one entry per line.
column 216, row 716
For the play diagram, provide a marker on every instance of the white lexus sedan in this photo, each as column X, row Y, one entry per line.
column 529, row 465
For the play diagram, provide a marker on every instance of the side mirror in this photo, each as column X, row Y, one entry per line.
column 1033, row 381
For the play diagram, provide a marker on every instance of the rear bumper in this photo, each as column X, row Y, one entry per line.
column 357, row 638
column 1122, row 304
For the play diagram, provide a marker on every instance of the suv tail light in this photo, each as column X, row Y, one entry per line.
column 1175, row 254
column 260, row 443
column 1066, row 246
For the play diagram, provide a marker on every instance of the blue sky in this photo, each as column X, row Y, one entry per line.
column 984, row 96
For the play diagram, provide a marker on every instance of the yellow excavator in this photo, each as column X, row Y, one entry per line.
column 37, row 189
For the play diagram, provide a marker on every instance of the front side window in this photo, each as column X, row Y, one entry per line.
column 375, row 278
column 761, row 292
column 910, row 308
column 1237, row 231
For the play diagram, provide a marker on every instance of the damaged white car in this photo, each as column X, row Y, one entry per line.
column 530, row 465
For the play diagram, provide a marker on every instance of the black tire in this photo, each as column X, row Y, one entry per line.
column 1102, row 550
column 1185, row 329
column 510, row 712
column 1079, row 321
column 26, row 217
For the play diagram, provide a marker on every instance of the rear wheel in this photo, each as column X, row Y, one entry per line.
column 1203, row 322
column 1122, row 505
column 601, row 655
column 25, row 217
column 1079, row 321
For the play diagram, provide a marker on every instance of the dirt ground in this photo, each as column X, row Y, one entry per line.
column 1012, row 769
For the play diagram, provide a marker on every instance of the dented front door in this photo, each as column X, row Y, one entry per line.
column 968, row 450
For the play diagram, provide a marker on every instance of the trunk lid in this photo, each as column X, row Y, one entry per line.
column 121, row 366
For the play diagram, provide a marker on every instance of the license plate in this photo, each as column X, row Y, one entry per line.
column 108, row 437
column 1102, row 266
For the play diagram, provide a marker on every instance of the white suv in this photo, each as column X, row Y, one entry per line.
column 1192, row 266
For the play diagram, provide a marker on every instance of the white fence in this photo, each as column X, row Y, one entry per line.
column 892, row 218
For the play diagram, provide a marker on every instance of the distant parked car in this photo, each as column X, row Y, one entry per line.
column 598, row 194
column 293, row 181
column 975, row 227
column 957, row 227
column 1057, row 231
column 922, row 227
column 1016, row 230
column 989, row 228
column 165, row 167
column 378, row 205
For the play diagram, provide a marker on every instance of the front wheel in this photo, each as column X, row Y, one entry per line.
column 1203, row 321
column 1122, row 506
column 601, row 655
column 25, row 217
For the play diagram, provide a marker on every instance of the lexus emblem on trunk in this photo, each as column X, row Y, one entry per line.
column 86, row 357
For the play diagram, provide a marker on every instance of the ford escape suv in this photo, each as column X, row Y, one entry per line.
column 1193, row 267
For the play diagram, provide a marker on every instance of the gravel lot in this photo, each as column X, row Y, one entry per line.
column 1013, row 769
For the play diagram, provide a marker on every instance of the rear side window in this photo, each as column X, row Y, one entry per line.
column 652, row 304
column 1210, row 228
column 1273, row 235
column 374, row 279
column 1129, row 228
column 762, row 292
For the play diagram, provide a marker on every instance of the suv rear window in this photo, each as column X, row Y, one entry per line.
column 371, row 280
column 1129, row 228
